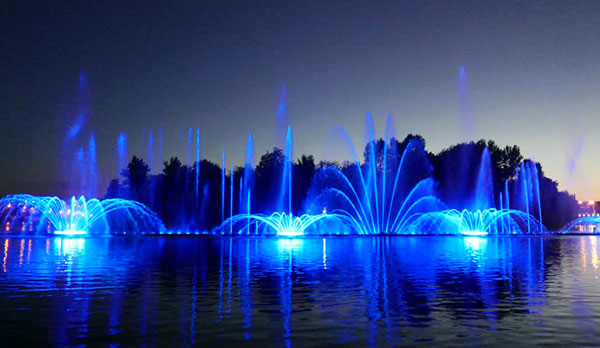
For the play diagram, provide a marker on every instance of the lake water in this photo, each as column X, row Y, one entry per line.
column 350, row 291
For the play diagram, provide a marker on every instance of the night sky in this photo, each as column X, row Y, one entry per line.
column 533, row 73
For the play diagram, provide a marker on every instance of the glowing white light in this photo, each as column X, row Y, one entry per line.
column 290, row 232
column 70, row 232
column 474, row 233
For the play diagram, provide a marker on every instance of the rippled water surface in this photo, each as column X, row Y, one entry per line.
column 517, row 291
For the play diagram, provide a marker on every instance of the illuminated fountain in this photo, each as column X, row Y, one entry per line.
column 51, row 215
column 386, row 193
column 481, row 217
column 281, row 223
column 585, row 224
column 525, row 193
column 391, row 191
column 476, row 222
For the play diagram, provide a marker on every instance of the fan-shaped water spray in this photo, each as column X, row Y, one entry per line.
column 383, row 195
column 280, row 223
column 476, row 222
column 51, row 215
column 276, row 224
column 583, row 225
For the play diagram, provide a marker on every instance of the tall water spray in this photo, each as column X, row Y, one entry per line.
column 197, row 169
column 93, row 167
column 248, row 179
column 223, row 165
column 122, row 154
column 159, row 150
column 383, row 195
column 280, row 223
column 150, row 158
column 285, row 196
column 527, row 190
column 482, row 218
column 484, row 190
column 150, row 150
column 74, row 164
column 231, row 199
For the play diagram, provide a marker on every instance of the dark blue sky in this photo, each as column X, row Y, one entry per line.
column 533, row 78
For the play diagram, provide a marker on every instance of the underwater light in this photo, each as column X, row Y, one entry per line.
column 290, row 232
column 70, row 232
column 474, row 233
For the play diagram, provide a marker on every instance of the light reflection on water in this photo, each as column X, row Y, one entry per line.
column 300, row 292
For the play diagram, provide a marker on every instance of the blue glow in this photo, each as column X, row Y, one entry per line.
column 122, row 153
column 70, row 246
column 286, row 177
column 197, row 166
column 32, row 214
column 93, row 167
column 527, row 190
column 484, row 192
column 379, row 201
column 75, row 128
column 70, row 233
column 223, row 187
column 477, row 222
column 278, row 224
column 475, row 244
column 474, row 233
column 247, row 184
column 583, row 225
column 391, row 192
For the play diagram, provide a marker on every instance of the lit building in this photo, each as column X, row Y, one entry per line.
column 588, row 208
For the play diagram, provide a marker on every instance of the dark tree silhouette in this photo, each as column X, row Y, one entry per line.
column 137, row 180
column 504, row 163
column 268, row 180
column 456, row 169
column 113, row 190
column 172, row 191
column 181, row 204
column 558, row 207
column 303, row 172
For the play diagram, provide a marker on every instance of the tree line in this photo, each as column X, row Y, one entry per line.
column 191, row 196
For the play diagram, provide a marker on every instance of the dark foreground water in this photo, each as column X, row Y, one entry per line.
column 516, row 291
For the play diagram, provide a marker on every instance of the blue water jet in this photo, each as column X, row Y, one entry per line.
column 122, row 154
column 383, row 195
column 582, row 225
column 150, row 150
column 280, row 223
column 276, row 224
column 93, row 167
column 248, row 177
column 285, row 195
column 231, row 199
column 223, row 165
column 25, row 213
column 484, row 191
column 527, row 190
column 476, row 222
column 197, row 168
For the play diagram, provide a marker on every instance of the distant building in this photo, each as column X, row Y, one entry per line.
column 588, row 208
column 588, row 217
